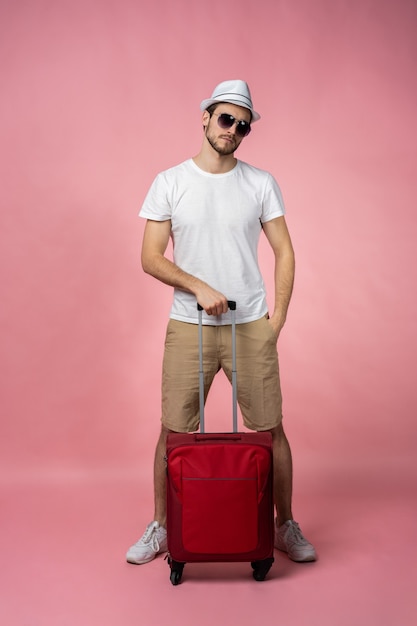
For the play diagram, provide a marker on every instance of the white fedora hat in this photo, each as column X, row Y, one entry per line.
column 232, row 91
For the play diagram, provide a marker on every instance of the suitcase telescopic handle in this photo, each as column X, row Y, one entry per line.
column 232, row 307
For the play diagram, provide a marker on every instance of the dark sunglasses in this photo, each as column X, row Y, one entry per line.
column 225, row 120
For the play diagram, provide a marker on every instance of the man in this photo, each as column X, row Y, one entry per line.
column 214, row 207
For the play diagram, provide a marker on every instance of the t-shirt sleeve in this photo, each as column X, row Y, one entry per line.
column 156, row 205
column 273, row 203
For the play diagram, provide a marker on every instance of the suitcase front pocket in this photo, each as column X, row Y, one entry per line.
column 220, row 515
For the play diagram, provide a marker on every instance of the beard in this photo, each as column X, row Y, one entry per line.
column 224, row 150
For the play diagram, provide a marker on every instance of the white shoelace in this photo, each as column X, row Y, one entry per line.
column 149, row 536
column 296, row 534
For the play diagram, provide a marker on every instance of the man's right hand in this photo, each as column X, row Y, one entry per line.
column 212, row 301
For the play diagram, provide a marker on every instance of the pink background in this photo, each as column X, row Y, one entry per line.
column 97, row 97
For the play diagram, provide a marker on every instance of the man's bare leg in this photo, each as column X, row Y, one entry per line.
column 282, row 461
column 160, row 478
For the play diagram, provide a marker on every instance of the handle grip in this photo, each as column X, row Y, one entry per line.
column 231, row 305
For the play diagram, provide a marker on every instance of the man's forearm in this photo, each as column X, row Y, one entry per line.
column 284, row 282
column 167, row 272
column 161, row 268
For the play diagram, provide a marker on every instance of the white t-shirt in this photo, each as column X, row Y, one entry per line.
column 216, row 220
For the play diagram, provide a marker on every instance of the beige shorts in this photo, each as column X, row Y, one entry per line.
column 258, row 384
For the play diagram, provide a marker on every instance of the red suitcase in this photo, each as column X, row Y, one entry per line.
column 219, row 492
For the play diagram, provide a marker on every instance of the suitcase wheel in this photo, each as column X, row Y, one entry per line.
column 261, row 568
column 176, row 571
column 175, row 577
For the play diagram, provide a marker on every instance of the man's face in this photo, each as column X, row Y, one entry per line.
column 224, row 140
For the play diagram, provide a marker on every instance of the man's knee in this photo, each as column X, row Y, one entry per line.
column 278, row 433
column 164, row 434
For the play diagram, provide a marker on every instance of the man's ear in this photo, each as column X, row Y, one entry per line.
column 205, row 118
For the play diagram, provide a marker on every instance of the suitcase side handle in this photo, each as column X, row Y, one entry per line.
column 218, row 437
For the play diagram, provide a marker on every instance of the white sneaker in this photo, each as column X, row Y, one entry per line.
column 152, row 542
column 290, row 539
